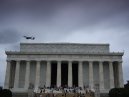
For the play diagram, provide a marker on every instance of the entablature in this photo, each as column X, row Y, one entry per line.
column 75, row 57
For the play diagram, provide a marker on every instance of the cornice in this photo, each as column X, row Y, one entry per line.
column 57, row 53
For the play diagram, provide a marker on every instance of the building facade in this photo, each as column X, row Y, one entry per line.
column 59, row 64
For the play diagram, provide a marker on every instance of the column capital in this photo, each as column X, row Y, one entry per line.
column 70, row 62
column 80, row 62
column 48, row 61
column 120, row 61
column 110, row 61
column 28, row 60
column 18, row 61
column 100, row 61
column 90, row 61
column 8, row 60
column 59, row 61
column 38, row 60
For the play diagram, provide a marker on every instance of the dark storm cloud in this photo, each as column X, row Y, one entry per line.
column 65, row 15
column 9, row 36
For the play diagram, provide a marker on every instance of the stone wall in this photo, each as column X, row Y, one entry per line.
column 63, row 48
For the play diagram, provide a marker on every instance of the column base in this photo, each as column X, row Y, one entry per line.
column 104, row 90
column 19, row 90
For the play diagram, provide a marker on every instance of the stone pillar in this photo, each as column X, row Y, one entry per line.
column 70, row 74
column 101, row 76
column 91, row 80
column 37, row 81
column 111, row 74
column 58, row 73
column 17, row 71
column 121, row 81
column 7, row 77
column 48, row 74
column 80, row 74
column 27, row 75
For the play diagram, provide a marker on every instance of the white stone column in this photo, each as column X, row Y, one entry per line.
column 80, row 74
column 48, row 74
column 91, row 80
column 111, row 74
column 7, row 77
column 37, row 80
column 121, row 81
column 70, row 74
column 58, row 73
column 101, row 76
column 27, row 75
column 17, row 72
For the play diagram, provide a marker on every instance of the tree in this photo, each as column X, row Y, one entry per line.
column 5, row 93
column 126, row 85
column 120, row 92
column 116, row 92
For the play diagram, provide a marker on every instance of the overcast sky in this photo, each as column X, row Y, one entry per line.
column 78, row 21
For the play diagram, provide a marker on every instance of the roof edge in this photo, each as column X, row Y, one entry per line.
column 64, row 43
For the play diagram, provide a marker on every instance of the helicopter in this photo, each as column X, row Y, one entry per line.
column 29, row 37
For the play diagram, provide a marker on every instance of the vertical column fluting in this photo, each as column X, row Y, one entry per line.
column 48, row 74
column 70, row 74
column 101, row 76
column 27, row 75
column 17, row 72
column 7, row 77
column 121, row 81
column 58, row 73
column 80, row 74
column 37, row 81
column 111, row 74
column 91, row 80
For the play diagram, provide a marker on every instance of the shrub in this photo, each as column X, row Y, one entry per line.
column 6, row 93
column 119, row 92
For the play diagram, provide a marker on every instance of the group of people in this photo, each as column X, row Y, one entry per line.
column 65, row 89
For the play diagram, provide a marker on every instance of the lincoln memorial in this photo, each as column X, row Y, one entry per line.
column 63, row 64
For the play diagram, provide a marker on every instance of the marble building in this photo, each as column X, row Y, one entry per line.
column 59, row 64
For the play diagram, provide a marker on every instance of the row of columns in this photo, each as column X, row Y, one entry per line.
column 48, row 74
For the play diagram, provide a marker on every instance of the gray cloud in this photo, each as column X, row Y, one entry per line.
column 9, row 36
